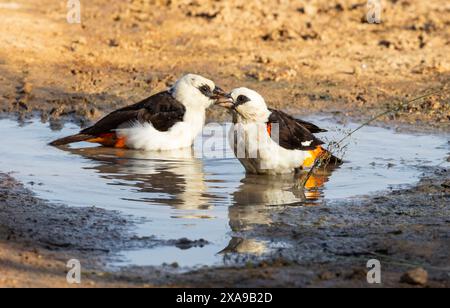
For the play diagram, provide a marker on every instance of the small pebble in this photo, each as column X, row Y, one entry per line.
column 417, row 276
column 114, row 43
column 327, row 276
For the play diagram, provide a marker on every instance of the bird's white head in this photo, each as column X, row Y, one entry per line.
column 250, row 105
column 196, row 92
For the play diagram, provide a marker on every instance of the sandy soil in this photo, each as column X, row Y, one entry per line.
column 304, row 56
column 308, row 55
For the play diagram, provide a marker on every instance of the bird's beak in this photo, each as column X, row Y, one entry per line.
column 222, row 98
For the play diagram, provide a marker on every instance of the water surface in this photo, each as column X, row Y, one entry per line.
column 195, row 193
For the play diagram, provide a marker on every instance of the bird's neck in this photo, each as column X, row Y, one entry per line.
column 195, row 117
column 254, row 119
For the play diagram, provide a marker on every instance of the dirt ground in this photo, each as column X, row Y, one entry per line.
column 307, row 55
column 303, row 56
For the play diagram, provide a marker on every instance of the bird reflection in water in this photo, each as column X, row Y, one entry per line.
column 173, row 178
column 177, row 178
column 260, row 197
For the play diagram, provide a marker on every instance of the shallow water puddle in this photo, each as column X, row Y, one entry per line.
column 180, row 195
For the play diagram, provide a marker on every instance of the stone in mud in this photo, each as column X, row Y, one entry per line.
column 417, row 276
column 446, row 184
column 385, row 43
column 327, row 276
column 114, row 43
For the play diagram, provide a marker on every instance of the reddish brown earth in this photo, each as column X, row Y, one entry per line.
column 306, row 55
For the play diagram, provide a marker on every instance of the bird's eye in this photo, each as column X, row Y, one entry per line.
column 242, row 99
column 206, row 90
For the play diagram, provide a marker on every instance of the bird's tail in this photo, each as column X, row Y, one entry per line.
column 70, row 139
column 333, row 160
column 329, row 159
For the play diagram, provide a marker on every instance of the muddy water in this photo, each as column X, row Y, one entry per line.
column 204, row 193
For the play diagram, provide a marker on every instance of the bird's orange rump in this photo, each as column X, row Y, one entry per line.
column 313, row 155
column 269, row 129
column 109, row 140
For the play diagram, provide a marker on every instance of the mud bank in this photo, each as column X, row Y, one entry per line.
column 312, row 56
column 37, row 239
column 404, row 229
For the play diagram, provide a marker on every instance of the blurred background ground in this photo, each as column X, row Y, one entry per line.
column 307, row 56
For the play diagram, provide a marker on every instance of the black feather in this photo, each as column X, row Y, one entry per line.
column 294, row 133
column 161, row 110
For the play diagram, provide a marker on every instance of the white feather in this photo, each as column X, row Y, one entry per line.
column 143, row 136
column 253, row 146
column 260, row 154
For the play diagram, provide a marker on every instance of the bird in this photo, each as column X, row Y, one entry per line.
column 270, row 141
column 166, row 121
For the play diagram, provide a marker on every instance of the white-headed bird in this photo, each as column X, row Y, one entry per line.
column 165, row 121
column 269, row 141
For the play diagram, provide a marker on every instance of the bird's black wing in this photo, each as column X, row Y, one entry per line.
column 294, row 134
column 161, row 110
column 309, row 126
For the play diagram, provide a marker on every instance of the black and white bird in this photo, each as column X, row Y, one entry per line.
column 165, row 121
column 269, row 141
